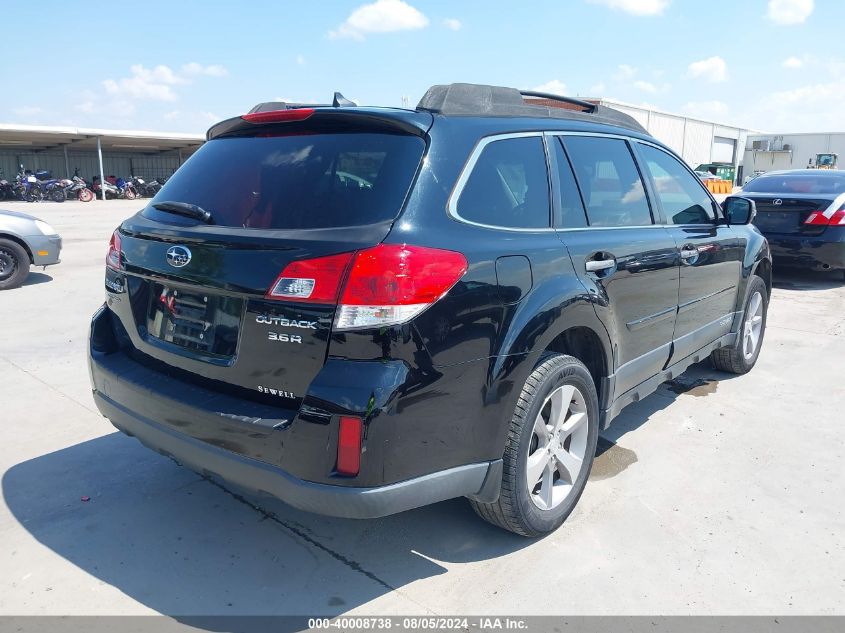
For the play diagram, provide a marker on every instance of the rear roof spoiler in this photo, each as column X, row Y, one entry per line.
column 338, row 101
column 497, row 101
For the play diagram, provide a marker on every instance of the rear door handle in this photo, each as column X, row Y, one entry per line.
column 596, row 265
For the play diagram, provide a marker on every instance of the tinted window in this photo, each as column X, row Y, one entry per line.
column 610, row 183
column 571, row 213
column 299, row 182
column 797, row 183
column 681, row 195
column 508, row 185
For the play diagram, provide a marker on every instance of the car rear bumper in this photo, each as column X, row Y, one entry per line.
column 824, row 252
column 209, row 433
column 258, row 477
column 45, row 249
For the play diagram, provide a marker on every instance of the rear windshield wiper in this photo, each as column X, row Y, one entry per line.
column 183, row 208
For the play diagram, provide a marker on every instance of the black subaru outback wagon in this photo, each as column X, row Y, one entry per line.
column 366, row 310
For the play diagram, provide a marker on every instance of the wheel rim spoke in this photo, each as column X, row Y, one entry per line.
column 538, row 461
column 569, row 465
column 753, row 326
column 561, row 399
column 540, row 429
column 576, row 420
column 547, row 487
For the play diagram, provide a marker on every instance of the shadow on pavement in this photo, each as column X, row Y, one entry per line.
column 797, row 279
column 182, row 545
column 36, row 278
column 186, row 546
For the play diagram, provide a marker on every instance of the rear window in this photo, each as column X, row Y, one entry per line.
column 305, row 181
column 796, row 183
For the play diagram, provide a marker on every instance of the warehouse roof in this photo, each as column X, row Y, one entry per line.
column 37, row 138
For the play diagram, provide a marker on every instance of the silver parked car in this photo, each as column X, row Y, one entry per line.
column 25, row 241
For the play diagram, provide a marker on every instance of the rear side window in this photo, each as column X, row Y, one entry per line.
column 610, row 183
column 305, row 181
column 681, row 194
column 571, row 208
column 508, row 186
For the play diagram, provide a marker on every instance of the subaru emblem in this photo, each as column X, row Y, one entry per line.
column 778, row 202
column 178, row 256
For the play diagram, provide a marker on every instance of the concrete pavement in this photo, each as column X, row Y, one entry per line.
column 718, row 494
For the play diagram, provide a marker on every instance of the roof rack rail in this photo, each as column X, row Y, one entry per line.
column 461, row 99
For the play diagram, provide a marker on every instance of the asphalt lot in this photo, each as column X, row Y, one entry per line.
column 716, row 495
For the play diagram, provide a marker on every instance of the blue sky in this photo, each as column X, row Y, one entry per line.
column 772, row 65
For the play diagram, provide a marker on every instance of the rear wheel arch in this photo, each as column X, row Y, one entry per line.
column 763, row 270
column 17, row 240
column 585, row 344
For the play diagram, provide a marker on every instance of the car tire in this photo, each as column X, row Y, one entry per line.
column 533, row 509
column 14, row 264
column 740, row 357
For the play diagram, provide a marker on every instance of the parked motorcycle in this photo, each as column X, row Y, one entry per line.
column 7, row 191
column 26, row 186
column 127, row 189
column 52, row 188
column 77, row 188
column 116, row 190
column 143, row 188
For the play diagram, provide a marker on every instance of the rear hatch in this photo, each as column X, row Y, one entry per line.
column 788, row 213
column 198, row 305
column 793, row 202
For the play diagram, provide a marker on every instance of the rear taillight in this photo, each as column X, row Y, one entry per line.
column 114, row 258
column 393, row 283
column 384, row 285
column 312, row 280
column 349, row 446
column 818, row 218
column 279, row 116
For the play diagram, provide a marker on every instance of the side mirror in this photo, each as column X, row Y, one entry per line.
column 739, row 210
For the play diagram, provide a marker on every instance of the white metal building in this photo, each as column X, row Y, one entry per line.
column 62, row 150
column 696, row 140
column 769, row 152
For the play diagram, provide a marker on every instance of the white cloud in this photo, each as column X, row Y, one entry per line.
column 792, row 62
column 172, row 115
column 645, row 86
column 208, row 117
column 28, row 111
column 705, row 109
column 625, row 72
column 808, row 108
column 597, row 90
column 145, row 83
column 157, row 83
column 453, row 24
column 836, row 67
column 789, row 11
column 635, row 7
column 300, row 60
column 712, row 69
column 213, row 70
column 382, row 16
column 555, row 87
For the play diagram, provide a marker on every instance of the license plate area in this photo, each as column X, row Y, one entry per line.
column 778, row 221
column 200, row 321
